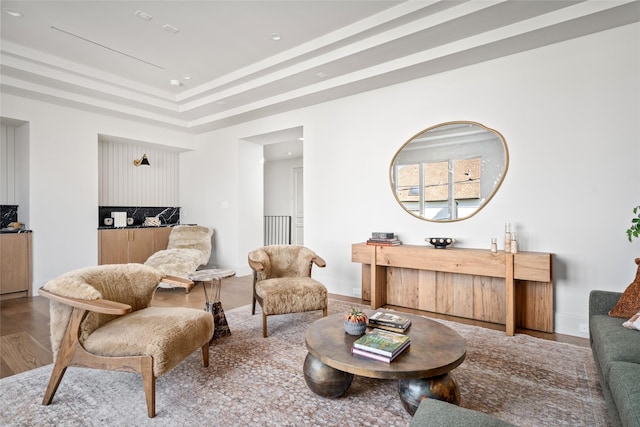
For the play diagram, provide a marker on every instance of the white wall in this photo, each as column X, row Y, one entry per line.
column 63, row 178
column 278, row 186
column 570, row 115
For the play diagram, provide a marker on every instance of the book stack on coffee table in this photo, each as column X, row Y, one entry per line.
column 380, row 345
column 389, row 321
column 383, row 239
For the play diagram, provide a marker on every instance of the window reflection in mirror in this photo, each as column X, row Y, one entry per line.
column 450, row 171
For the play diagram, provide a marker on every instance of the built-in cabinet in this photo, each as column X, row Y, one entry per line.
column 512, row 289
column 15, row 265
column 125, row 245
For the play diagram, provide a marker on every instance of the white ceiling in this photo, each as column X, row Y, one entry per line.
column 98, row 55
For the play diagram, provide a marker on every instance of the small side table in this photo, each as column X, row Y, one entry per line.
column 212, row 298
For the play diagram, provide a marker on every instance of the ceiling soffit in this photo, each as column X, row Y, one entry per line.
column 403, row 42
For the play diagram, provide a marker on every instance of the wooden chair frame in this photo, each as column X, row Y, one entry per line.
column 71, row 352
column 257, row 267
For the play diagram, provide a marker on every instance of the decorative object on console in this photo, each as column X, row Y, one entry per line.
column 514, row 244
column 629, row 302
column 494, row 245
column 507, row 237
column 108, row 222
column 355, row 322
column 142, row 161
column 440, row 242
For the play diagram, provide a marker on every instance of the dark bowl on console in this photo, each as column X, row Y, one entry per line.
column 440, row 242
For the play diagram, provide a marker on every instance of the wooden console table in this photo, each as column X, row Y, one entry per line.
column 511, row 289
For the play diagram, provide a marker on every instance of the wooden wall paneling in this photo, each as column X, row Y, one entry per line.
column 123, row 184
column 8, row 179
column 427, row 290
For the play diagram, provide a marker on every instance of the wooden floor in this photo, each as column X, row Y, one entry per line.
column 24, row 322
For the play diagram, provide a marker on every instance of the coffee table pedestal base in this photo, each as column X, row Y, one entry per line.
column 442, row 387
column 324, row 380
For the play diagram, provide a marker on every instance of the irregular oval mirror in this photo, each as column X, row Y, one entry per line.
column 450, row 171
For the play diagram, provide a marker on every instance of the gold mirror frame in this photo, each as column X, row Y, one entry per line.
column 450, row 171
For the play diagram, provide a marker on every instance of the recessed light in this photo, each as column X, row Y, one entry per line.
column 276, row 36
column 175, row 82
column 12, row 12
column 289, row 153
column 143, row 15
column 186, row 76
column 321, row 74
column 170, row 28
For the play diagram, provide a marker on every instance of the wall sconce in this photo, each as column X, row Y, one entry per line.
column 143, row 161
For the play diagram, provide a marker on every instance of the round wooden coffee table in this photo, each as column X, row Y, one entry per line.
column 423, row 369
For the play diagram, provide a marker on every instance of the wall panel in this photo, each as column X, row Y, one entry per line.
column 123, row 184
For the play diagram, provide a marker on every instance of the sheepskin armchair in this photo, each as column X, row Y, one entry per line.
column 189, row 247
column 282, row 282
column 101, row 318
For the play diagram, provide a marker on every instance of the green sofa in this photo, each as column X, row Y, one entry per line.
column 616, row 351
column 436, row 413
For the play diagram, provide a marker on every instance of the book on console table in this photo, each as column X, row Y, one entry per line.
column 380, row 342
column 382, row 235
column 384, row 242
column 389, row 321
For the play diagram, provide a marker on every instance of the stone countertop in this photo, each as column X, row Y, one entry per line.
column 111, row 227
column 13, row 230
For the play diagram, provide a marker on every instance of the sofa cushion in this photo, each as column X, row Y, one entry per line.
column 624, row 383
column 436, row 413
column 629, row 302
column 612, row 342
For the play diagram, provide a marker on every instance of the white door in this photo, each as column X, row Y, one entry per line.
column 298, row 212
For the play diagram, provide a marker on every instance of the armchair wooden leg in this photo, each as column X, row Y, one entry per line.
column 149, row 380
column 253, row 306
column 54, row 382
column 65, row 355
column 324, row 312
column 205, row 355
column 264, row 325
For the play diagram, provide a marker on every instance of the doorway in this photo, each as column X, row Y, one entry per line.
column 283, row 184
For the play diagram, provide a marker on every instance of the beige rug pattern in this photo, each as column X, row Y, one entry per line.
column 255, row 381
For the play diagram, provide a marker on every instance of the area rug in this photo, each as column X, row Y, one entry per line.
column 255, row 381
